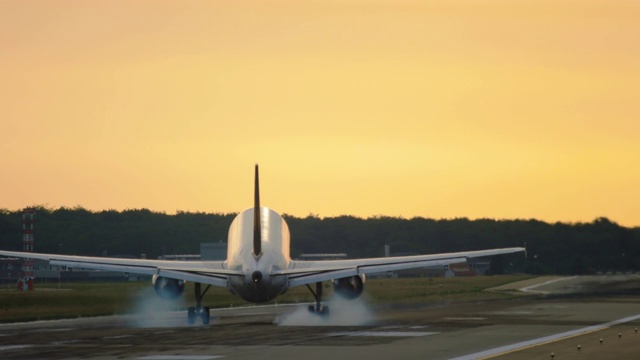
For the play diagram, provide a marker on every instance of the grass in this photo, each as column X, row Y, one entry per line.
column 422, row 290
column 70, row 300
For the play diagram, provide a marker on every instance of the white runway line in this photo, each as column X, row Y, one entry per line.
column 384, row 333
column 179, row 357
column 529, row 288
column 13, row 347
column 116, row 337
column 543, row 340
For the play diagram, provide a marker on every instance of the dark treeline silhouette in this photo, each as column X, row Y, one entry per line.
column 559, row 248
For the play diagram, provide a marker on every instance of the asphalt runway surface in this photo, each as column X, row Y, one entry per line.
column 530, row 327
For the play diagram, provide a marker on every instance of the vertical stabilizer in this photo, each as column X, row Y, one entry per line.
column 257, row 232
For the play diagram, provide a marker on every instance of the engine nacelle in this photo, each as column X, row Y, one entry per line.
column 167, row 288
column 349, row 287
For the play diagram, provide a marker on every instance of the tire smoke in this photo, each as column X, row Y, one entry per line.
column 342, row 312
column 151, row 311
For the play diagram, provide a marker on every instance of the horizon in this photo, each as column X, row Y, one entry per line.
column 313, row 215
column 439, row 109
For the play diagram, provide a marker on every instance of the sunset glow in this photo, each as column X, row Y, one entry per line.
column 480, row 109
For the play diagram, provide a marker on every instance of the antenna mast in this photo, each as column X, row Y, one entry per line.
column 26, row 283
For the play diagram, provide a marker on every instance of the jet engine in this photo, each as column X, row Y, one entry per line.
column 167, row 288
column 349, row 287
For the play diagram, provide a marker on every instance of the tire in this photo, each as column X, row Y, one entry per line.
column 205, row 316
column 191, row 316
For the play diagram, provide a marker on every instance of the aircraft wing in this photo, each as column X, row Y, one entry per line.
column 205, row 272
column 306, row 272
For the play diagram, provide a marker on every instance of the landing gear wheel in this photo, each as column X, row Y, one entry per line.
column 324, row 310
column 198, row 311
column 318, row 308
column 205, row 316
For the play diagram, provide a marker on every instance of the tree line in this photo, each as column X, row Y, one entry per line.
column 552, row 248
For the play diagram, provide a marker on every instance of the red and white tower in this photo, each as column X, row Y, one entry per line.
column 26, row 283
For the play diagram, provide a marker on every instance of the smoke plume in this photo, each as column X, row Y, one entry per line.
column 342, row 312
column 151, row 311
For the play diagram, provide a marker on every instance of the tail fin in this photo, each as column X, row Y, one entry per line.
column 257, row 233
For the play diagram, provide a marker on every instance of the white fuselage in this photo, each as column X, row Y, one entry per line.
column 256, row 284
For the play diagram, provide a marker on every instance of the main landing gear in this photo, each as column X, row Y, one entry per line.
column 198, row 310
column 318, row 308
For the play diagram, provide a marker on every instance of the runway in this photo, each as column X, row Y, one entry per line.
column 522, row 328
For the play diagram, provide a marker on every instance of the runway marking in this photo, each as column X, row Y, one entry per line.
column 252, row 307
column 178, row 357
column 502, row 350
column 511, row 312
column 13, row 347
column 528, row 288
column 164, row 332
column 67, row 342
column 117, row 337
column 384, row 333
column 49, row 330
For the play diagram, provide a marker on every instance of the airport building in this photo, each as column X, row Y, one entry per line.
column 11, row 272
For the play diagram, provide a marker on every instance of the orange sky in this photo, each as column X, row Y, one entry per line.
column 451, row 108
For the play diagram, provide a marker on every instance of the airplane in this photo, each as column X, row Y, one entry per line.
column 258, row 267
